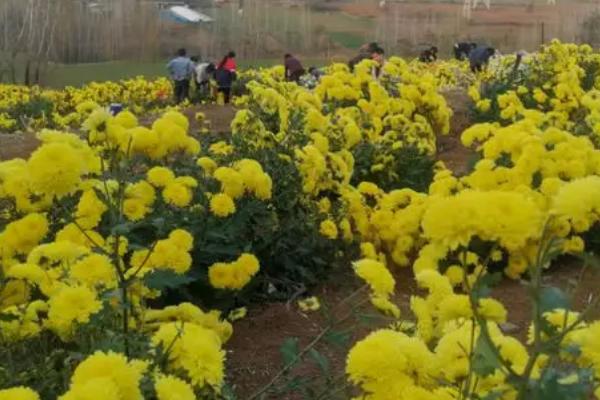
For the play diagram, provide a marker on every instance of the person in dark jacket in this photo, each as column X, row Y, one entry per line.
column 463, row 49
column 480, row 57
column 225, row 74
column 293, row 68
column 429, row 55
column 365, row 52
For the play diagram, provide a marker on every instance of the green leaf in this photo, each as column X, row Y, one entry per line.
column 227, row 392
column 110, row 343
column 8, row 317
column 158, row 222
column 572, row 349
column 536, row 180
column 559, row 385
column 289, row 351
column 338, row 338
column 369, row 319
column 292, row 385
column 483, row 287
column 136, row 246
column 485, row 361
column 551, row 298
column 321, row 360
column 165, row 278
column 122, row 229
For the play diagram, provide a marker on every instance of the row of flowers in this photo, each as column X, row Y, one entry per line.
column 34, row 107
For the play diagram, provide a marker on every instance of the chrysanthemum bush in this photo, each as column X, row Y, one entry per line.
column 457, row 347
column 89, row 241
column 351, row 129
column 449, row 74
column 535, row 179
column 560, row 81
column 530, row 197
column 101, row 229
column 100, row 232
column 526, row 175
column 527, row 171
column 24, row 107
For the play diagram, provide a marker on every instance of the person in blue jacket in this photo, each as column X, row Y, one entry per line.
column 181, row 69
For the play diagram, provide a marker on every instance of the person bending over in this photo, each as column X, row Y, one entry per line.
column 480, row 57
column 463, row 49
column 429, row 55
column 293, row 68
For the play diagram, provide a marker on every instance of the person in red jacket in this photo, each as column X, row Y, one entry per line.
column 228, row 62
column 225, row 75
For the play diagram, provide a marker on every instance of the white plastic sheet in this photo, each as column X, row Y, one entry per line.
column 189, row 15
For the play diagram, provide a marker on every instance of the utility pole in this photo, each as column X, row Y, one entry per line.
column 543, row 26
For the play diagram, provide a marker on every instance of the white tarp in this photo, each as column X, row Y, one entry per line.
column 189, row 15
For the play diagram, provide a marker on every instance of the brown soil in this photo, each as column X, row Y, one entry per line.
column 450, row 149
column 17, row 145
column 219, row 117
column 361, row 9
column 569, row 275
column 254, row 356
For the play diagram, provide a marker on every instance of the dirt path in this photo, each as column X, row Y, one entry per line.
column 450, row 149
column 17, row 145
column 219, row 117
column 254, row 355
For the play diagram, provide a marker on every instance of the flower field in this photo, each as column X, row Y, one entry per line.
column 132, row 247
column 23, row 107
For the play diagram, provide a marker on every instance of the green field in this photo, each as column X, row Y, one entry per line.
column 78, row 74
column 59, row 76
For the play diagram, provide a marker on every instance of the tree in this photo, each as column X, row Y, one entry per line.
column 28, row 31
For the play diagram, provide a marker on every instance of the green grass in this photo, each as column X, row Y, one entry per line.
column 79, row 74
column 347, row 39
column 59, row 76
